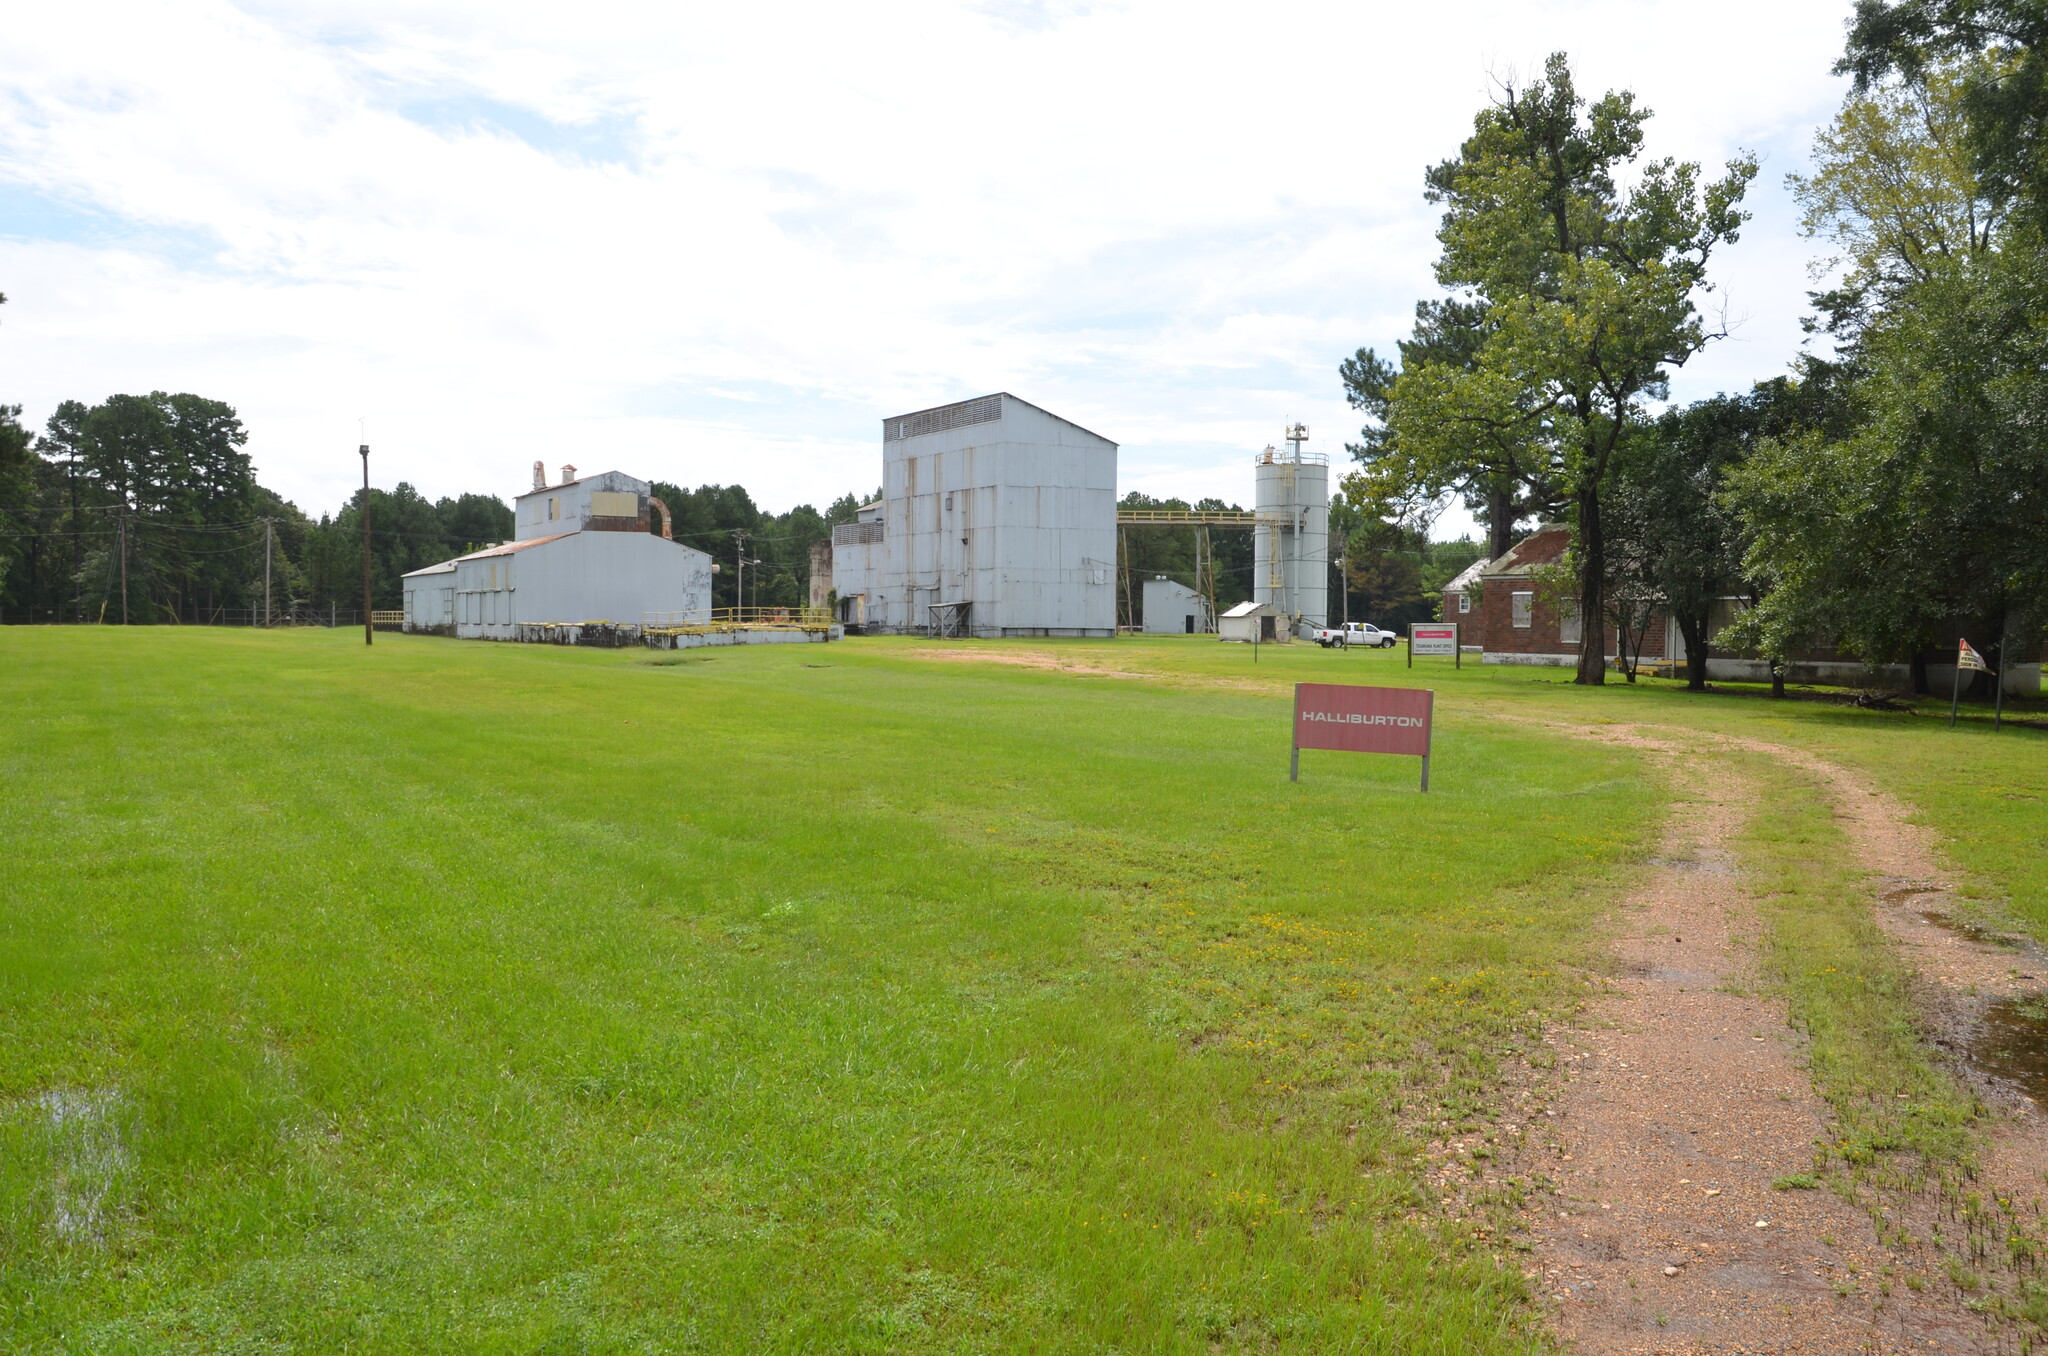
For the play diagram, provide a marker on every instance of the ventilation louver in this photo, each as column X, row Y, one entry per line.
column 985, row 410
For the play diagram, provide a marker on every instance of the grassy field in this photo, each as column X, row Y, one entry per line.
column 501, row 998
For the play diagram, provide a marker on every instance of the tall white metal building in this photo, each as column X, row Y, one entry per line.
column 1291, row 544
column 997, row 518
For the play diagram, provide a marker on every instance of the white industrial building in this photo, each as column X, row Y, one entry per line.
column 997, row 518
column 1171, row 609
column 1291, row 544
column 583, row 559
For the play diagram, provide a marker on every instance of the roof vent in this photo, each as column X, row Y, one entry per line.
column 540, row 475
column 568, row 475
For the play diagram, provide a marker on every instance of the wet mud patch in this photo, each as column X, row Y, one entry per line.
column 1985, row 992
column 2009, row 1043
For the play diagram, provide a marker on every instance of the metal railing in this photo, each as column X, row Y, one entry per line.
column 1151, row 517
column 736, row 619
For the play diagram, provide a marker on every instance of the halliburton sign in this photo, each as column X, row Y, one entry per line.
column 1362, row 720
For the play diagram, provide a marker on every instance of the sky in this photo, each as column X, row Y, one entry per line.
column 720, row 243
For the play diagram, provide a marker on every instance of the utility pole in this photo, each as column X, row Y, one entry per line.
column 266, row 573
column 367, row 631
column 1344, row 573
column 122, row 523
column 77, row 545
column 739, row 582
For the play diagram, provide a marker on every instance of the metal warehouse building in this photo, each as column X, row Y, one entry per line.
column 583, row 558
column 1173, row 609
column 997, row 518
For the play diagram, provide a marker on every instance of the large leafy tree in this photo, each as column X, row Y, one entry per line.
column 1588, row 290
column 1494, row 458
column 1894, row 187
column 1676, row 540
column 1935, row 510
column 1930, row 508
column 2003, row 96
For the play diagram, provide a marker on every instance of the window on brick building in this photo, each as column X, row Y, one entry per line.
column 1521, row 607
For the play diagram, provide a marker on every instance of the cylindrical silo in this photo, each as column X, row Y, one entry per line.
column 1291, row 550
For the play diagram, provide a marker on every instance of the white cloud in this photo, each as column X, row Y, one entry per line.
column 720, row 243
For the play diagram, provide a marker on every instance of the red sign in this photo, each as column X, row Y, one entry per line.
column 1363, row 719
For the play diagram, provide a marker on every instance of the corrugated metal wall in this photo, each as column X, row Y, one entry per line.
column 618, row 577
column 996, row 504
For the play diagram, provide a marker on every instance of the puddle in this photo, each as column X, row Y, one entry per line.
column 1665, row 974
column 1695, row 864
column 2011, row 1042
column 1975, row 932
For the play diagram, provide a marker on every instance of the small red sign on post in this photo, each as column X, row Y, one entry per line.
column 1362, row 720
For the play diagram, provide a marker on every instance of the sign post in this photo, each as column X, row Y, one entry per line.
column 1968, row 658
column 1434, row 638
column 1362, row 720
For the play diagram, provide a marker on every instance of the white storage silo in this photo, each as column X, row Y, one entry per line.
column 1291, row 551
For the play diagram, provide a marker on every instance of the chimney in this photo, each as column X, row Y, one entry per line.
column 540, row 476
column 568, row 474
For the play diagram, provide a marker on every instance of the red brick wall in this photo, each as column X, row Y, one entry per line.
column 1502, row 636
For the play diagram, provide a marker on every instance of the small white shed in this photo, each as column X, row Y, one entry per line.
column 1249, row 622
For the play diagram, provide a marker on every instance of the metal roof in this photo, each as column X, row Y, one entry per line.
column 1468, row 576
column 1249, row 610
column 980, row 410
column 509, row 547
column 443, row 568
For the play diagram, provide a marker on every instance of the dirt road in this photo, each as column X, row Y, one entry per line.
column 1686, row 1101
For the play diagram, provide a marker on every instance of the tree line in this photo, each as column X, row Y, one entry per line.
column 146, row 509
column 1887, row 492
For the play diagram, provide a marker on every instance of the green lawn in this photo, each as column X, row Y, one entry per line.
column 455, row 996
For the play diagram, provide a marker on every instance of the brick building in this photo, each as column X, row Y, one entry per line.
column 1508, row 614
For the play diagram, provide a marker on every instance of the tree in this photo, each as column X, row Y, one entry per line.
column 1588, row 292
column 166, row 478
column 1675, row 540
column 1894, row 187
column 2003, row 99
column 1929, row 508
column 1935, row 509
column 1385, row 574
column 17, row 488
column 17, row 493
column 1493, row 458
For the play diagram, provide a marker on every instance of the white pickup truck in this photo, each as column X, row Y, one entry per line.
column 1354, row 633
